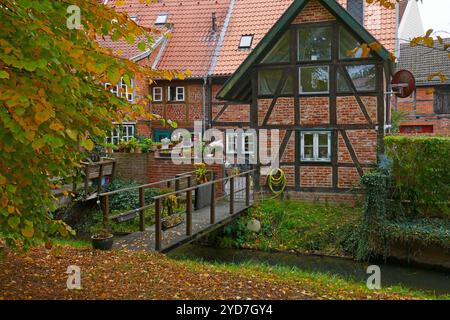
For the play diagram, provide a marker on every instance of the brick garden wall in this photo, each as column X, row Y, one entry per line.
column 147, row 168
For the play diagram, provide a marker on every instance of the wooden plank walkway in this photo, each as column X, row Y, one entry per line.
column 175, row 237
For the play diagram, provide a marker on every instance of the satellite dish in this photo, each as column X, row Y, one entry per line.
column 403, row 83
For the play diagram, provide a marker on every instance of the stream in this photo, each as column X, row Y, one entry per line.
column 391, row 274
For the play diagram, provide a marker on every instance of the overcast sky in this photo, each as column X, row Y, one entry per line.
column 436, row 15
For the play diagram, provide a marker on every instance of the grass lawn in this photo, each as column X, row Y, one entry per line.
column 41, row 274
column 296, row 226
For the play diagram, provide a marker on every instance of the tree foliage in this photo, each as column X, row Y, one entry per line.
column 53, row 103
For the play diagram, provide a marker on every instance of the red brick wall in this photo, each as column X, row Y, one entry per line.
column 348, row 178
column 349, row 112
column 315, row 176
column 314, row 110
column 282, row 113
column 146, row 168
column 313, row 12
column 364, row 143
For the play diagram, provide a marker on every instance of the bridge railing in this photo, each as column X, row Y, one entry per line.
column 105, row 197
column 188, row 191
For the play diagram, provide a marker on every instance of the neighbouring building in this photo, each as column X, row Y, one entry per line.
column 427, row 111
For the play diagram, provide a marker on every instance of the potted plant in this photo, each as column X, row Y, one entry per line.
column 110, row 147
column 202, row 193
column 172, row 219
column 102, row 240
column 146, row 145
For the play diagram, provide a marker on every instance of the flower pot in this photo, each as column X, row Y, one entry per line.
column 203, row 196
column 102, row 243
column 171, row 221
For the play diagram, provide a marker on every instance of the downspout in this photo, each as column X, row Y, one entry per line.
column 205, row 80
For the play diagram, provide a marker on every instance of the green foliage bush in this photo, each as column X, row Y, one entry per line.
column 129, row 199
column 421, row 174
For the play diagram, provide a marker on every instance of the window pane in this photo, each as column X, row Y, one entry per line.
column 323, row 152
column 349, row 47
column 308, row 153
column 308, row 139
column 314, row 43
column 363, row 77
column 323, row 140
column 269, row 80
column 313, row 79
column 279, row 53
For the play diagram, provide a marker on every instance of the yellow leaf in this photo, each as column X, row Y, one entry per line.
column 11, row 209
column 41, row 117
column 56, row 126
column 72, row 134
column 28, row 231
column 2, row 180
column 88, row 144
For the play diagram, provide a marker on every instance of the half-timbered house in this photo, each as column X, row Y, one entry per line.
column 308, row 78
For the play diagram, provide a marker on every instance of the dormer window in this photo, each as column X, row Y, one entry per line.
column 161, row 19
column 246, row 41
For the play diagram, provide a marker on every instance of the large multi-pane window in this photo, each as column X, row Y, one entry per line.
column 314, row 43
column 316, row 146
column 314, row 58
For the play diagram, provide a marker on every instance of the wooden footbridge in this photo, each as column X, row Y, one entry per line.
column 228, row 198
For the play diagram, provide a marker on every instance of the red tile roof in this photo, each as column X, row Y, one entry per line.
column 192, row 43
column 248, row 17
column 194, row 46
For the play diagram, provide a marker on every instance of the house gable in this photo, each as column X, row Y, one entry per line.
column 238, row 87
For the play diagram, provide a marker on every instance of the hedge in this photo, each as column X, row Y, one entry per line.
column 421, row 174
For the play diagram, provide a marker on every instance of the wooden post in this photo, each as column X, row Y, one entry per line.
column 158, row 224
column 189, row 181
column 247, row 189
column 100, row 175
column 231, row 195
column 189, row 212
column 105, row 208
column 177, row 184
column 142, row 211
column 213, row 204
column 168, row 184
column 113, row 172
column 86, row 180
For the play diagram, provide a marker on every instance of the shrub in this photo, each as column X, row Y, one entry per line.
column 421, row 175
column 129, row 199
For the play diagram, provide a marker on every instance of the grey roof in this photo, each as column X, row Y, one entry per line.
column 423, row 61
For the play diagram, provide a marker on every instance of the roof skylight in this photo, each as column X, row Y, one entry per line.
column 162, row 18
column 246, row 41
